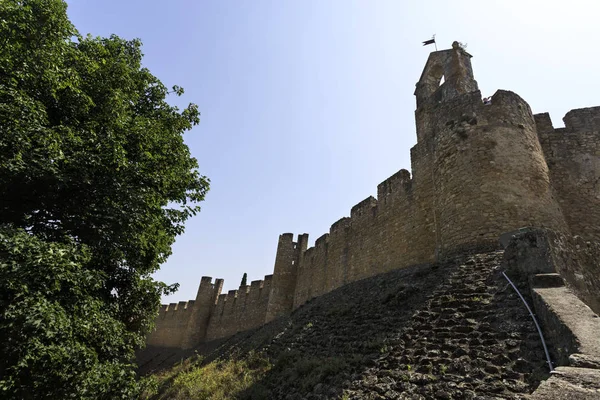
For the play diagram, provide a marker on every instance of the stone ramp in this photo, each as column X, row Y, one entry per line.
column 571, row 325
column 474, row 339
column 574, row 330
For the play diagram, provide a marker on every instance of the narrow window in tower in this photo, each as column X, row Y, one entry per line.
column 442, row 80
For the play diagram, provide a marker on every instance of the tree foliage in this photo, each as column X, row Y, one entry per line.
column 58, row 334
column 244, row 279
column 96, row 182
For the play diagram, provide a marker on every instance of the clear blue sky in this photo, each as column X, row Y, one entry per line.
column 308, row 105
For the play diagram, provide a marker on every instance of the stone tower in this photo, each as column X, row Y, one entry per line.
column 289, row 255
column 488, row 170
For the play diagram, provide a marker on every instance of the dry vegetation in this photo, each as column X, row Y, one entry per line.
column 217, row 380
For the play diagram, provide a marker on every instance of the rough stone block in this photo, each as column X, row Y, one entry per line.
column 568, row 383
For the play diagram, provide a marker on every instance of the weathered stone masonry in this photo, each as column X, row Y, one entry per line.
column 477, row 171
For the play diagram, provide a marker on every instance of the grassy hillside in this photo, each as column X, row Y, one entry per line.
column 449, row 331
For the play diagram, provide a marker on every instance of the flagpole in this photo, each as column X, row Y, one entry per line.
column 431, row 41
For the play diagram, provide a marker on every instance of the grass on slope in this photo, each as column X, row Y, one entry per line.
column 218, row 380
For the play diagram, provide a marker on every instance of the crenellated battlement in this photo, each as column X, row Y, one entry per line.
column 478, row 170
column 340, row 225
column 579, row 120
column 231, row 296
column 583, row 120
column 267, row 281
column 256, row 288
column 395, row 187
column 364, row 209
column 321, row 242
column 572, row 154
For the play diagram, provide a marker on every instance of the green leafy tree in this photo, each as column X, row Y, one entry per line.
column 96, row 182
column 58, row 334
column 244, row 279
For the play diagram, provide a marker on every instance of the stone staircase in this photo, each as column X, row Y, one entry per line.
column 473, row 340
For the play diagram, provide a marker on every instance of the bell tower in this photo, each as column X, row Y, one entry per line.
column 454, row 66
column 481, row 164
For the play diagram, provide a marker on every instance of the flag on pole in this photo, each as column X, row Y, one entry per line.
column 431, row 41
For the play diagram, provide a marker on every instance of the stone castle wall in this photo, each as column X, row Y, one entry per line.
column 376, row 238
column 212, row 315
column 240, row 310
column 477, row 171
column 543, row 251
column 573, row 156
column 184, row 324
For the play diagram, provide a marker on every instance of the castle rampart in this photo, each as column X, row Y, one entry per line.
column 478, row 170
column 185, row 324
column 573, row 157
